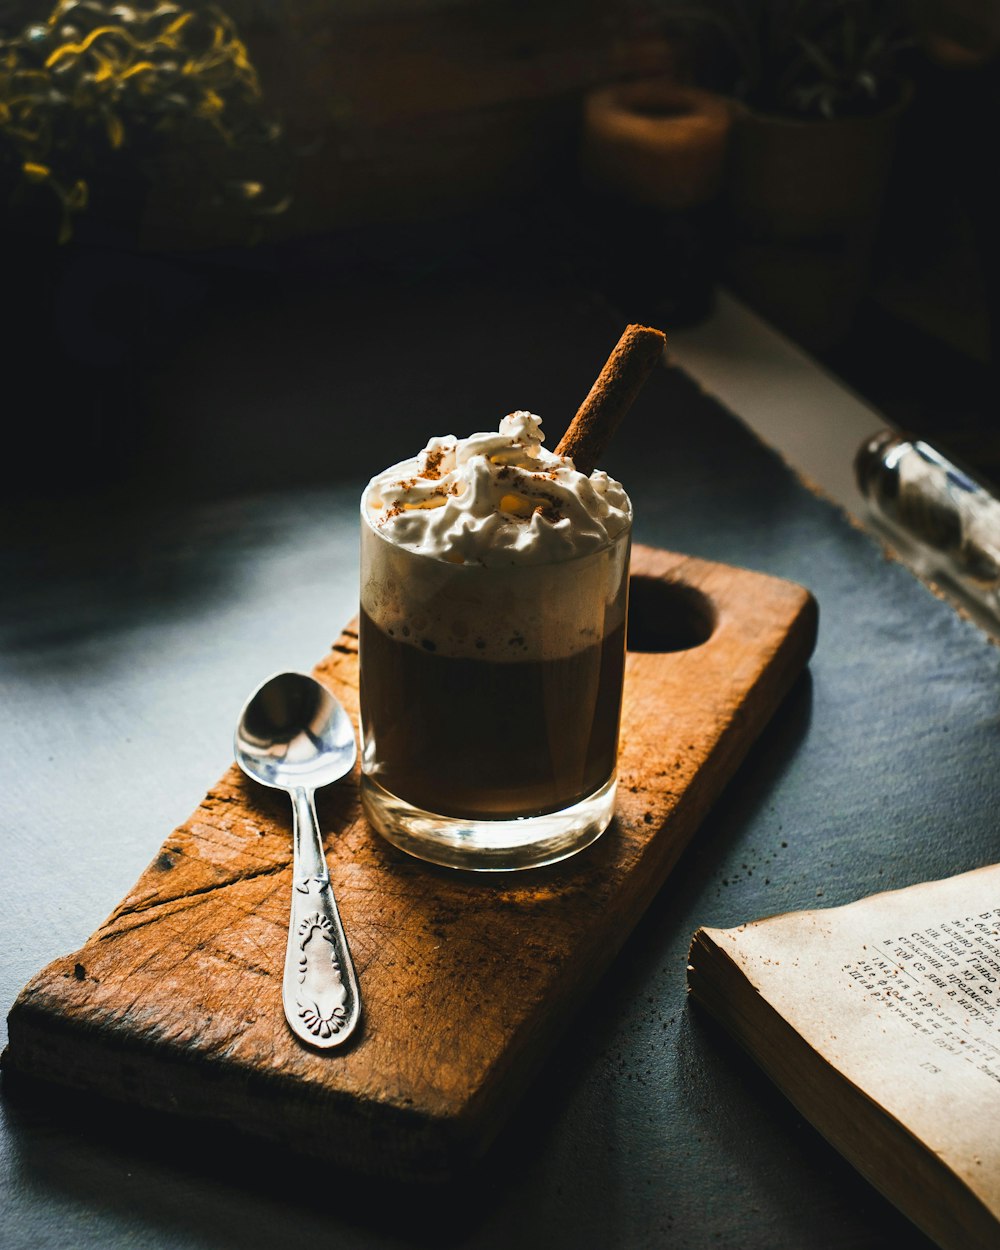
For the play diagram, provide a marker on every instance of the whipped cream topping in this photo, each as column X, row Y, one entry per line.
column 496, row 499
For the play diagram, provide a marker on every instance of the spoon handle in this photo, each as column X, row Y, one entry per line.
column 320, row 989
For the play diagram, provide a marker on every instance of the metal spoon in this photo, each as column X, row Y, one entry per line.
column 293, row 735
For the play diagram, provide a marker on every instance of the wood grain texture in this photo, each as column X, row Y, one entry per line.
column 174, row 1003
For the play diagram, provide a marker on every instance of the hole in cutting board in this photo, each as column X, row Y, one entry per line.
column 667, row 616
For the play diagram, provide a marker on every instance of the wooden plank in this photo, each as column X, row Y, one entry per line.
column 174, row 1003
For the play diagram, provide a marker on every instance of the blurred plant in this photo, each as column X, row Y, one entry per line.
column 820, row 58
column 98, row 86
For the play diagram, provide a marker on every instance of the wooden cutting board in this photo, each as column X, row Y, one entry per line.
column 174, row 1003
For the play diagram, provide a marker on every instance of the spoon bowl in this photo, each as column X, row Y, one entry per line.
column 293, row 735
column 293, row 732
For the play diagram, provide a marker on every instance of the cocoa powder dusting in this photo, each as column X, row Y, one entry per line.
column 548, row 512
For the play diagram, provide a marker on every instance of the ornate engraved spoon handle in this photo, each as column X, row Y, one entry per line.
column 320, row 989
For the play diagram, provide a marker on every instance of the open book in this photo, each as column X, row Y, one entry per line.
column 881, row 1022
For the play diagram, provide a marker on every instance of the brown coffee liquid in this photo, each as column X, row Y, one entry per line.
column 478, row 739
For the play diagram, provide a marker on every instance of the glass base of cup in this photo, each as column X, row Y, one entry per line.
column 488, row 845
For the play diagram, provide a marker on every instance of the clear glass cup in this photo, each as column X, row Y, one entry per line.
column 490, row 702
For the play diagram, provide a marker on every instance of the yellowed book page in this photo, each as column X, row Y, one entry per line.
column 901, row 992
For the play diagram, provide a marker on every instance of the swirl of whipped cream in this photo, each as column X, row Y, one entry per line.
column 496, row 499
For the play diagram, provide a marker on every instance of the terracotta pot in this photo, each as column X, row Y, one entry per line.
column 804, row 200
column 791, row 178
column 653, row 158
column 656, row 142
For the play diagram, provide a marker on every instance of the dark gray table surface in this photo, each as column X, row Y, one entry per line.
column 137, row 617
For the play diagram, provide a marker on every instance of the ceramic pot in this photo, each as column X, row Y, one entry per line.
column 804, row 200
column 656, row 142
column 653, row 159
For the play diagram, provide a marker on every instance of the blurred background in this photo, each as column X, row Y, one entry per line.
column 205, row 212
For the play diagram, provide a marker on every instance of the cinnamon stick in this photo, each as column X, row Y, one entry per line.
column 611, row 396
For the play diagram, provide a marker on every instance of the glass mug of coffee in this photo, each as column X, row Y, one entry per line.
column 494, row 588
